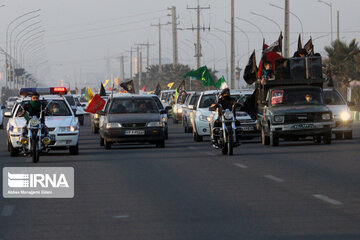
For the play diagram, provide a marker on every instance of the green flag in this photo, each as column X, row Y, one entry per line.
column 202, row 74
column 221, row 83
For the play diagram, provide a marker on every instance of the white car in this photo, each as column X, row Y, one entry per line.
column 76, row 107
column 200, row 119
column 2, row 117
column 342, row 115
column 11, row 102
column 189, row 103
column 63, row 126
column 164, row 97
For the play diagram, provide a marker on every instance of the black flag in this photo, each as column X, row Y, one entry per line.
column 299, row 43
column 158, row 90
column 276, row 46
column 251, row 70
column 181, row 87
column 309, row 47
column 128, row 86
column 102, row 90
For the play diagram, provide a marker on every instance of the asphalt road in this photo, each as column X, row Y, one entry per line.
column 190, row 191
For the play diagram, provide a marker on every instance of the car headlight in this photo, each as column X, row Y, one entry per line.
column 34, row 122
column 74, row 128
column 16, row 129
column 154, row 124
column 228, row 115
column 113, row 125
column 203, row 118
column 345, row 116
column 180, row 110
column 279, row 119
column 209, row 119
column 326, row 116
column 96, row 115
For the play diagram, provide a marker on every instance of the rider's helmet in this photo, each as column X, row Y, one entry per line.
column 225, row 92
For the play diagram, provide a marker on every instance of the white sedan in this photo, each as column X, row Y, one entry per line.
column 62, row 124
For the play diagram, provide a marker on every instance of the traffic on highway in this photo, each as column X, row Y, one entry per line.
column 265, row 147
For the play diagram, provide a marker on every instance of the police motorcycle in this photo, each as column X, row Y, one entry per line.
column 37, row 139
column 227, row 133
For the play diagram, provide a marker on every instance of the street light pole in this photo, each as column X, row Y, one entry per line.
column 331, row 22
column 257, row 14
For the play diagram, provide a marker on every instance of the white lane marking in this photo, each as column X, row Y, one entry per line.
column 7, row 210
column 240, row 165
column 192, row 148
column 327, row 199
column 210, row 153
column 121, row 216
column 276, row 179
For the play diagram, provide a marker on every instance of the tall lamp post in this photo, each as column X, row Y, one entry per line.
column 331, row 26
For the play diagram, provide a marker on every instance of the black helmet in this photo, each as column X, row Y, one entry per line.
column 225, row 91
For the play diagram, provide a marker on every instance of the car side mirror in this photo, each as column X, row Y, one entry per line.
column 2, row 107
column 168, row 108
column 8, row 114
column 100, row 112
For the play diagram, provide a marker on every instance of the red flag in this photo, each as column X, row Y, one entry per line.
column 143, row 89
column 269, row 57
column 109, row 88
column 97, row 103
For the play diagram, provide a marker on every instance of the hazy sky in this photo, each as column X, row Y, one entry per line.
column 81, row 35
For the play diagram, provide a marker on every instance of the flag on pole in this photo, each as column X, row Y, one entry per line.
column 143, row 89
column 106, row 82
column 158, row 89
column 221, row 83
column 276, row 46
column 97, row 103
column 102, row 90
column 202, row 74
column 128, row 86
column 170, row 85
column 299, row 43
column 88, row 94
column 251, row 70
column 309, row 47
column 180, row 88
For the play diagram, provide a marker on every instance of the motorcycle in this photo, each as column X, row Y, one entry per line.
column 227, row 136
column 36, row 140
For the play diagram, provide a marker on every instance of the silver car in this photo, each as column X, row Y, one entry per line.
column 342, row 115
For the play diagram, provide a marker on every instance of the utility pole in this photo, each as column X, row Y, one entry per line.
column 131, row 62
column 174, row 34
column 159, row 26
column 147, row 44
column 232, row 58
column 337, row 26
column 122, row 73
column 286, row 29
column 198, row 54
column 139, row 70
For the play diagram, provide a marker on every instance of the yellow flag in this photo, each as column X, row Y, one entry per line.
column 90, row 94
column 170, row 85
column 106, row 82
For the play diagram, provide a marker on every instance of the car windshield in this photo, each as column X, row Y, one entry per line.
column 333, row 98
column 243, row 99
column 158, row 103
column 77, row 102
column 194, row 100
column 296, row 96
column 207, row 100
column 58, row 108
column 164, row 95
column 133, row 105
column 70, row 100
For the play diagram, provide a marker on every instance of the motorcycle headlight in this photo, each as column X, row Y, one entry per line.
column 345, row 116
column 228, row 115
column 34, row 122
column 203, row 118
column 113, row 125
column 154, row 124
column 279, row 119
column 326, row 116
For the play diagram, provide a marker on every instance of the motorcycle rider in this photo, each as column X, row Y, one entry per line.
column 223, row 102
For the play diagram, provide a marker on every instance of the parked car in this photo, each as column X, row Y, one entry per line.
column 132, row 118
column 342, row 115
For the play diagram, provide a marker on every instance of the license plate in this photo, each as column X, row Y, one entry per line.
column 135, row 132
column 303, row 126
column 247, row 128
